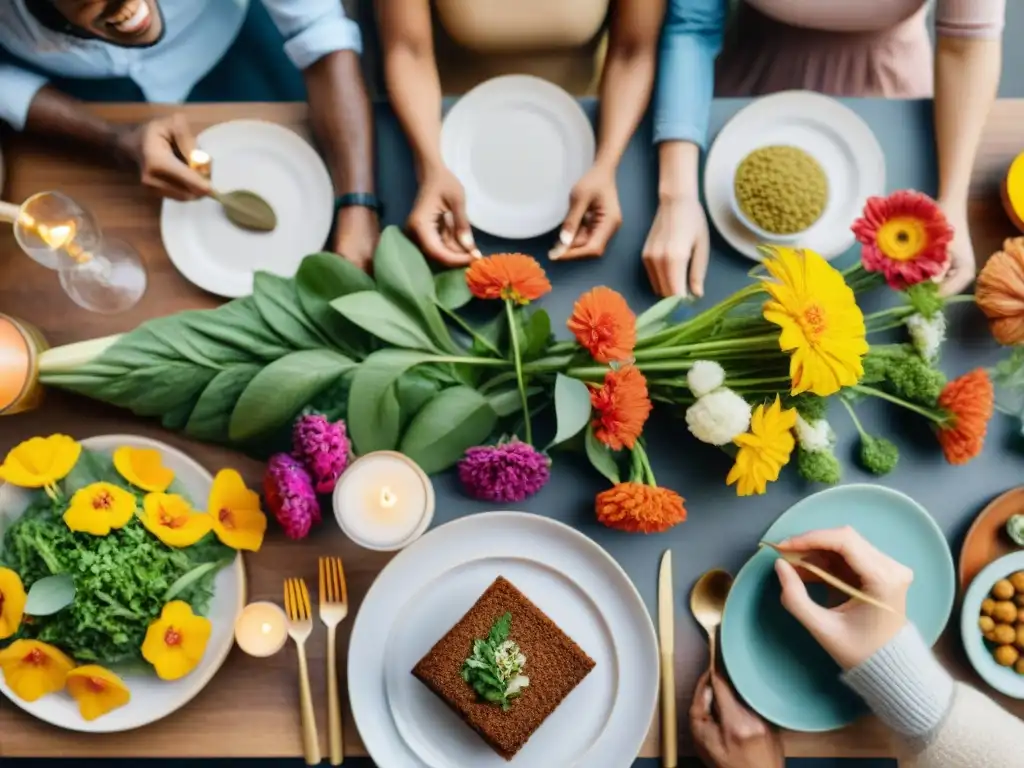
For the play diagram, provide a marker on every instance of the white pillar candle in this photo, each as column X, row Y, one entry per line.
column 384, row 501
column 261, row 629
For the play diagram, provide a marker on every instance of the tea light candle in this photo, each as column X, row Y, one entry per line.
column 384, row 501
column 261, row 629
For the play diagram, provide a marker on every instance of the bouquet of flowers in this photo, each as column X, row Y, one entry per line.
column 394, row 356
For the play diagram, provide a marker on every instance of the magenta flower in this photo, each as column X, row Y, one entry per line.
column 506, row 472
column 290, row 495
column 323, row 449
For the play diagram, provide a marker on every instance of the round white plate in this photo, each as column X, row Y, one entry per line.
column 518, row 144
column 277, row 164
column 429, row 586
column 832, row 133
column 152, row 698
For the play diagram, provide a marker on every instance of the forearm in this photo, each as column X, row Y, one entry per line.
column 52, row 114
column 678, row 163
column 414, row 89
column 342, row 120
column 625, row 93
column 966, row 81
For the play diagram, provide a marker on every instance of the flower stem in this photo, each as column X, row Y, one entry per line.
column 866, row 390
column 853, row 417
column 645, row 463
column 470, row 330
column 518, row 359
column 485, row 361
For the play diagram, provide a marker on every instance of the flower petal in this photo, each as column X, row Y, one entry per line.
column 171, row 519
column 98, row 691
column 40, row 461
column 12, row 602
column 143, row 468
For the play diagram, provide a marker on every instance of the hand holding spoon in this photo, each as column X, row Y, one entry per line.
column 707, row 604
column 243, row 208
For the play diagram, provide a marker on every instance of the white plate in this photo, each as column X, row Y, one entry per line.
column 152, row 699
column 518, row 144
column 428, row 587
column 832, row 133
column 286, row 171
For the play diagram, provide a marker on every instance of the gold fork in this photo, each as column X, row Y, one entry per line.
column 300, row 627
column 333, row 610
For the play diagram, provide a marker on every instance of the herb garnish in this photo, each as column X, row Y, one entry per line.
column 493, row 670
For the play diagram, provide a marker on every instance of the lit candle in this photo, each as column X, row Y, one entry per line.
column 200, row 162
column 261, row 629
column 384, row 501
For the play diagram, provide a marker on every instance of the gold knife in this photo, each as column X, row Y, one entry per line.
column 667, row 635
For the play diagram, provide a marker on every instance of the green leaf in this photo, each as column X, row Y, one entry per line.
column 50, row 594
column 322, row 278
column 653, row 319
column 537, row 331
column 602, row 458
column 91, row 467
column 374, row 313
column 414, row 389
column 572, row 407
column 456, row 419
column 211, row 415
column 1008, row 379
column 278, row 392
column 186, row 580
column 278, row 304
column 451, row 289
column 374, row 413
column 506, row 402
column 494, row 331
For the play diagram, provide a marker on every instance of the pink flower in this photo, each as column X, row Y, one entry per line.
column 322, row 447
column 290, row 496
column 507, row 472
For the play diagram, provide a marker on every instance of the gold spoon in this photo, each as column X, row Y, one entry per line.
column 243, row 208
column 707, row 604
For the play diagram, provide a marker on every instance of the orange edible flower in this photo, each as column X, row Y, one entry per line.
column 171, row 519
column 12, row 602
column 143, row 468
column 604, row 325
column 175, row 643
column 99, row 508
column 97, row 691
column 33, row 669
column 235, row 512
column 622, row 407
column 514, row 276
column 968, row 401
column 40, row 462
column 640, row 507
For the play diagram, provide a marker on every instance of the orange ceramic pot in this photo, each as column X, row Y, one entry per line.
column 20, row 346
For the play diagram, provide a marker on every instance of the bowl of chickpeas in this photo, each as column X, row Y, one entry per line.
column 992, row 624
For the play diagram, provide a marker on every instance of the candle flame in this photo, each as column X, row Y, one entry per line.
column 387, row 498
column 266, row 628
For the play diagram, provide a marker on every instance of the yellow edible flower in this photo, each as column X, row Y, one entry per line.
column 171, row 519
column 764, row 450
column 32, row 669
column 97, row 691
column 12, row 602
column 40, row 462
column 143, row 468
column 175, row 643
column 98, row 508
column 822, row 326
column 235, row 512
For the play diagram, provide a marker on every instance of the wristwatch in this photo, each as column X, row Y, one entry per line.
column 364, row 199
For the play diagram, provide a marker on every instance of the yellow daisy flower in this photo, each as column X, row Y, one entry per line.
column 822, row 326
column 764, row 450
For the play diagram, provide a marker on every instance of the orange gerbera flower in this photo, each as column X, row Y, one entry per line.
column 513, row 276
column 604, row 324
column 636, row 507
column 968, row 401
column 622, row 407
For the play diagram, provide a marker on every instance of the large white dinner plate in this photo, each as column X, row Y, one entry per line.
column 277, row 164
column 428, row 587
column 152, row 698
column 830, row 132
column 518, row 144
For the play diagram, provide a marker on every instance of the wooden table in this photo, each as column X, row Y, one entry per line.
column 251, row 709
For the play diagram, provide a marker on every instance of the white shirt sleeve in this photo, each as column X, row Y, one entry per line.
column 18, row 87
column 314, row 28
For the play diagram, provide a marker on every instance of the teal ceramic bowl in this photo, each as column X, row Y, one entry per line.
column 1003, row 679
column 774, row 663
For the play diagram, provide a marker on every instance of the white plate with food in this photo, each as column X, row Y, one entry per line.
column 583, row 639
column 518, row 144
column 279, row 166
column 152, row 699
column 776, row 131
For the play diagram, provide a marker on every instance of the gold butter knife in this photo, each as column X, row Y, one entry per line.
column 667, row 637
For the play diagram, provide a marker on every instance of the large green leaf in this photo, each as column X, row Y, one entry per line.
column 654, row 318
column 414, row 389
column 211, row 415
column 278, row 304
column 572, row 407
column 374, row 313
column 537, row 333
column 601, row 458
column 151, row 391
column 278, row 392
column 50, row 594
column 322, row 278
column 451, row 288
column 456, row 419
column 374, row 414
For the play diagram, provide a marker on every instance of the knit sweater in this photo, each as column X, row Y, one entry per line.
column 941, row 723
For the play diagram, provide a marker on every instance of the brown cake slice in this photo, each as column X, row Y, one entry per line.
column 554, row 664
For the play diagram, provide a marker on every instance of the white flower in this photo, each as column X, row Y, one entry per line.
column 718, row 417
column 927, row 334
column 516, row 684
column 704, row 377
column 814, row 435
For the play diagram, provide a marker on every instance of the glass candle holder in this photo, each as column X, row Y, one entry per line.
column 20, row 347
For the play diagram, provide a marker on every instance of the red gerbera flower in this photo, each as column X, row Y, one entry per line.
column 604, row 325
column 904, row 236
column 513, row 276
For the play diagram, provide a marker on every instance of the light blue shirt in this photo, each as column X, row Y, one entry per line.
column 197, row 34
column 690, row 42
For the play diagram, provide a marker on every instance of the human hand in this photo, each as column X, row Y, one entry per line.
column 594, row 216
column 160, row 149
column 677, row 247
column 356, row 232
column 439, row 222
column 852, row 632
column 961, row 269
column 728, row 735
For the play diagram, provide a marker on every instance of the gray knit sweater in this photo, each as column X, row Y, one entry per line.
column 942, row 724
